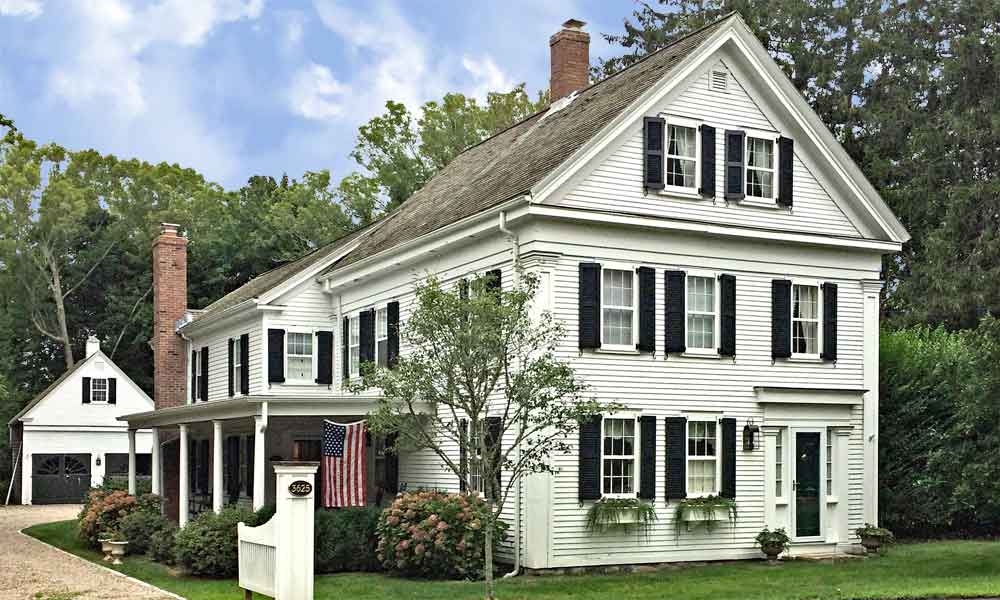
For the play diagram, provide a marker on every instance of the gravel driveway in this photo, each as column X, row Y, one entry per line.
column 32, row 570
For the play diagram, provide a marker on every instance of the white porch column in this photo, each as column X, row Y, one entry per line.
column 182, row 477
column 217, row 466
column 154, row 459
column 259, row 460
column 872, row 291
column 131, row 462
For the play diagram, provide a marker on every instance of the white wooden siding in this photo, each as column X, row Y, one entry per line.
column 217, row 343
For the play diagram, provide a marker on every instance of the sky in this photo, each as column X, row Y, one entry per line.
column 234, row 88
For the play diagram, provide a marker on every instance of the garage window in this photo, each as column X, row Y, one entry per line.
column 98, row 390
column 117, row 465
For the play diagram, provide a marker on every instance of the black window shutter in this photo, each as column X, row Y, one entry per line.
column 366, row 332
column 86, row 390
column 676, row 445
column 653, row 133
column 735, row 146
column 392, row 465
column 493, row 282
column 647, row 309
column 674, row 316
column 194, row 376
column 203, row 392
column 324, row 354
column 708, row 161
column 786, row 156
column 590, row 460
column 232, row 357
column 275, row 355
column 781, row 318
column 345, row 350
column 463, row 457
column 727, row 308
column 250, row 449
column 647, row 457
column 245, row 364
column 590, row 305
column 728, row 488
column 829, row 321
column 112, row 390
column 494, row 444
column 392, row 317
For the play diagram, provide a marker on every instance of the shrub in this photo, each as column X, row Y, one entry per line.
column 103, row 511
column 163, row 544
column 139, row 527
column 264, row 513
column 346, row 540
column 208, row 546
column 435, row 535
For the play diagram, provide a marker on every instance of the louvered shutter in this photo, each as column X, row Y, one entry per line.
column 463, row 456
column 647, row 457
column 590, row 305
column 829, row 321
column 653, row 131
column 324, row 356
column 781, row 318
column 392, row 318
column 647, row 309
column 674, row 314
column 708, row 161
column 494, row 445
column 345, row 348
column 203, row 392
column 85, row 396
column 245, row 364
column 735, row 146
column 231, row 363
column 728, row 487
column 676, row 447
column 194, row 376
column 366, row 333
column 112, row 390
column 786, row 162
column 590, row 460
column 276, row 355
column 727, row 310
column 250, row 452
column 392, row 464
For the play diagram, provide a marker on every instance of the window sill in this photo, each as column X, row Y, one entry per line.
column 301, row 383
column 760, row 203
column 683, row 194
column 805, row 359
column 710, row 355
column 781, row 502
column 625, row 351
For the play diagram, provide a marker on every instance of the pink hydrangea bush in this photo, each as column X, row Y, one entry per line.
column 103, row 511
column 435, row 535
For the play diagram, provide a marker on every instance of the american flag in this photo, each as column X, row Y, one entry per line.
column 343, row 464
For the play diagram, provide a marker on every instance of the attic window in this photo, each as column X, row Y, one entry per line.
column 719, row 80
column 98, row 390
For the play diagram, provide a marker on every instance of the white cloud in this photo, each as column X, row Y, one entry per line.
column 315, row 94
column 487, row 75
column 28, row 9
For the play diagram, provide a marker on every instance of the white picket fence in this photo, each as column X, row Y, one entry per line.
column 258, row 557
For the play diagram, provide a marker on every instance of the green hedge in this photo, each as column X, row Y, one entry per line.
column 208, row 544
column 346, row 540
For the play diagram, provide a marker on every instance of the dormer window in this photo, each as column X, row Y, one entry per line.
column 98, row 390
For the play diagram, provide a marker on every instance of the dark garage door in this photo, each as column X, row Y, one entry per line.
column 59, row 478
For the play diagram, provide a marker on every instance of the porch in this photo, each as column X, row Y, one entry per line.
column 212, row 454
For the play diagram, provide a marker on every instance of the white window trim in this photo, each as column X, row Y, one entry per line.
column 817, row 356
column 718, row 455
column 714, row 350
column 783, row 435
column 353, row 325
column 381, row 308
column 677, row 190
column 93, row 399
column 630, row 348
column 636, row 444
column 237, row 362
column 198, row 376
column 312, row 377
column 773, row 136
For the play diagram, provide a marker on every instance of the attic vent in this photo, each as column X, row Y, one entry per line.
column 719, row 81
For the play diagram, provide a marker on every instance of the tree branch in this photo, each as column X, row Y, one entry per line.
column 128, row 322
column 90, row 271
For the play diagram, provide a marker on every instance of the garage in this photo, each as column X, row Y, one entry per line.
column 60, row 478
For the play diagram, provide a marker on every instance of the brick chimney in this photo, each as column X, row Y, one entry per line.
column 169, row 305
column 570, row 52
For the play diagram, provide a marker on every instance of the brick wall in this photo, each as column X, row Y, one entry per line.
column 169, row 305
column 570, row 54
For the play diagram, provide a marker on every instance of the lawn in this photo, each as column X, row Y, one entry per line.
column 935, row 569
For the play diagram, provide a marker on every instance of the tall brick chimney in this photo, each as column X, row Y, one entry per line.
column 570, row 52
column 169, row 305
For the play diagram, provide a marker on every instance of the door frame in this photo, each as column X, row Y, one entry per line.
column 794, row 466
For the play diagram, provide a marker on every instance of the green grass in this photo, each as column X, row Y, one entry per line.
column 935, row 569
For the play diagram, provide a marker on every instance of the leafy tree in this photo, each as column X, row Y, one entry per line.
column 473, row 355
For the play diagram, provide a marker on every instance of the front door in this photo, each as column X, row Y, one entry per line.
column 807, row 486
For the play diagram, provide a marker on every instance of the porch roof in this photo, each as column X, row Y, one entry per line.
column 251, row 406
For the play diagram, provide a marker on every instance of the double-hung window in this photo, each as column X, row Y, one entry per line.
column 682, row 155
column 762, row 161
column 98, row 390
column 702, row 314
column 806, row 322
column 300, row 356
column 382, row 337
column 354, row 346
column 702, row 458
column 237, row 365
column 476, row 459
column 618, row 301
column 618, row 464
column 198, row 376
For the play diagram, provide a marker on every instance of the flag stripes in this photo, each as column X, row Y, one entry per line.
column 343, row 464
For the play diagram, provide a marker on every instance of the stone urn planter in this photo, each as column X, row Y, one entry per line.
column 106, row 548
column 118, row 551
column 874, row 538
column 872, row 544
column 772, row 543
column 772, row 551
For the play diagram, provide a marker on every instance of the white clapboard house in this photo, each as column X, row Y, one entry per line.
column 69, row 438
column 714, row 254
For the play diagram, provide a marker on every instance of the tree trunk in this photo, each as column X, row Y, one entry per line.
column 488, row 562
column 55, row 284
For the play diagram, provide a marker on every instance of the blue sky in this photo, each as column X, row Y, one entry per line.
column 235, row 88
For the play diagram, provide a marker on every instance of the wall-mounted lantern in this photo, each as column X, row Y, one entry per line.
column 98, row 461
column 750, row 432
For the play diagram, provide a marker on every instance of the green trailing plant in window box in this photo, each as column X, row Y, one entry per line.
column 709, row 510
column 625, row 513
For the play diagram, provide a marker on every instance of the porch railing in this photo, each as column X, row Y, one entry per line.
column 258, row 557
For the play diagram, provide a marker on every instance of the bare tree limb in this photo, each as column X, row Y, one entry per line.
column 128, row 322
column 90, row 271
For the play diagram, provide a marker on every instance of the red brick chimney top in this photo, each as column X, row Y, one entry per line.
column 569, row 49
